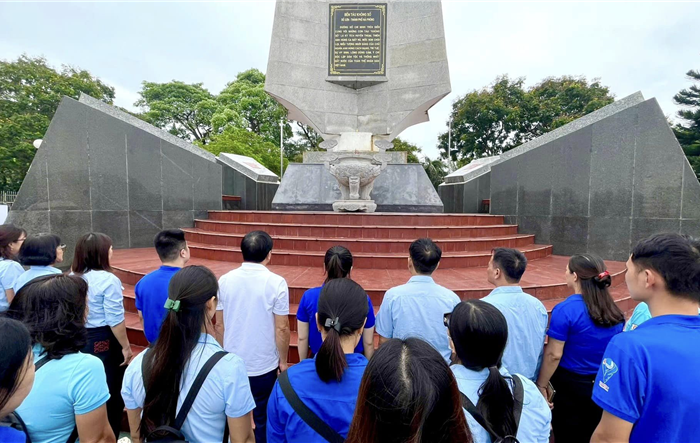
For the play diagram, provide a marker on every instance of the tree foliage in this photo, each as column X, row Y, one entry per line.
column 506, row 114
column 688, row 132
column 412, row 150
column 30, row 92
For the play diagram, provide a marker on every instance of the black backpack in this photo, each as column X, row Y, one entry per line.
column 173, row 434
column 518, row 396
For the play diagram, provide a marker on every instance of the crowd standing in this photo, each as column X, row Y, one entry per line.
column 445, row 370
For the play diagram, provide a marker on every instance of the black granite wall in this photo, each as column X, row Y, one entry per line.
column 255, row 196
column 466, row 198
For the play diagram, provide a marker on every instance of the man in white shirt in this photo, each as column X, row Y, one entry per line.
column 253, row 320
column 526, row 315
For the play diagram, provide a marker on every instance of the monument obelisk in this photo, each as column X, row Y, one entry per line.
column 359, row 74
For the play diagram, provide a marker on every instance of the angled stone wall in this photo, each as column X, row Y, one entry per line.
column 100, row 169
column 246, row 178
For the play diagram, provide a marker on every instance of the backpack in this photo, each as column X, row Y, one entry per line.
column 518, row 396
column 15, row 422
column 173, row 434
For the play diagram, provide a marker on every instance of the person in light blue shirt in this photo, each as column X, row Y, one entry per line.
column 152, row 290
column 478, row 334
column 40, row 253
column 107, row 339
column 11, row 239
column 416, row 309
column 338, row 264
column 526, row 316
column 16, row 376
column 640, row 315
column 185, row 344
column 328, row 384
column 580, row 329
column 70, row 389
column 647, row 381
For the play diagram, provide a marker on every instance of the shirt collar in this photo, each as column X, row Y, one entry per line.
column 169, row 268
column 421, row 279
column 208, row 339
column 468, row 374
column 507, row 290
column 251, row 265
column 692, row 321
column 50, row 268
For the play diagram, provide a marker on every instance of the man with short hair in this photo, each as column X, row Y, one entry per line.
column 253, row 319
column 152, row 290
column 647, row 383
column 417, row 308
column 526, row 316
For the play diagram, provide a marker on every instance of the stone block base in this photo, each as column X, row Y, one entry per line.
column 354, row 206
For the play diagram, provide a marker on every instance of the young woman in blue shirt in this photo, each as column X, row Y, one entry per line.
column 16, row 375
column 70, row 390
column 329, row 383
column 579, row 331
column 478, row 334
column 337, row 264
column 185, row 344
column 107, row 339
column 11, row 239
column 39, row 252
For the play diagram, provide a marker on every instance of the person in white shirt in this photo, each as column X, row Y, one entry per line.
column 253, row 321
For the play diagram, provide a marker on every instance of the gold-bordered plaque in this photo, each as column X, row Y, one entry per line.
column 357, row 39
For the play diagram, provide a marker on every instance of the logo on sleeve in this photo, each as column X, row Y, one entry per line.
column 609, row 369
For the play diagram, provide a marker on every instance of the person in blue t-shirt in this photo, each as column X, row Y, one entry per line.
column 16, row 376
column 580, row 329
column 338, row 264
column 11, row 239
column 647, row 383
column 328, row 384
column 152, row 290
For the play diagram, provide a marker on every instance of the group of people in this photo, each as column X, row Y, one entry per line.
column 445, row 370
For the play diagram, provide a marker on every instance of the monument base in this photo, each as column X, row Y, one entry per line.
column 354, row 206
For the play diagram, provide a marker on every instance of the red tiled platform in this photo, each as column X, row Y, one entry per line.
column 379, row 243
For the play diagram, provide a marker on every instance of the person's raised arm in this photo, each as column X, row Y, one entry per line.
column 552, row 356
column 612, row 429
column 134, row 416
column 240, row 429
column 93, row 427
column 282, row 335
column 303, row 335
column 368, row 342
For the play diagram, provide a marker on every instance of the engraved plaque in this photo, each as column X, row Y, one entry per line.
column 357, row 39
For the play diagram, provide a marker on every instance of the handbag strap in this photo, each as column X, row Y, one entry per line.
column 518, row 400
column 518, row 397
column 41, row 363
column 471, row 409
column 196, row 386
column 310, row 418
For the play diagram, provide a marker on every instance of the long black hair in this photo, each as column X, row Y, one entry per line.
column 479, row 332
column 53, row 309
column 408, row 395
column 92, row 253
column 595, row 282
column 16, row 351
column 338, row 263
column 193, row 287
column 342, row 311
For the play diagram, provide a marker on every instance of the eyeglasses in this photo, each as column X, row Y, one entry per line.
column 61, row 246
column 446, row 319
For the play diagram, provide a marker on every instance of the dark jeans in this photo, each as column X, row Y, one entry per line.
column 575, row 416
column 104, row 345
column 261, row 387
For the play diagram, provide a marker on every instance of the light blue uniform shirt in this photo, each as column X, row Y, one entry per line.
column 105, row 299
column 74, row 385
column 32, row 273
column 9, row 271
column 225, row 393
column 417, row 309
column 527, row 326
column 640, row 315
column 536, row 416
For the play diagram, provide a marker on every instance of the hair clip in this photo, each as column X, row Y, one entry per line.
column 333, row 323
column 172, row 305
column 603, row 274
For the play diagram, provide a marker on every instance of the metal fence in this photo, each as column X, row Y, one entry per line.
column 7, row 197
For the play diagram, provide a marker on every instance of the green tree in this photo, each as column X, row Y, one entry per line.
column 30, row 92
column 506, row 114
column 436, row 170
column 688, row 132
column 412, row 150
column 241, row 141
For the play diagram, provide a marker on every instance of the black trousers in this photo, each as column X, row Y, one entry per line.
column 575, row 416
column 104, row 345
column 261, row 387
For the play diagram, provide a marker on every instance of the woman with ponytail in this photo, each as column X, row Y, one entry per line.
column 338, row 264
column 185, row 344
column 327, row 385
column 579, row 331
column 478, row 335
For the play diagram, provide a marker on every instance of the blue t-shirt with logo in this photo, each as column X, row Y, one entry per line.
column 308, row 306
column 650, row 378
column 585, row 341
column 151, row 293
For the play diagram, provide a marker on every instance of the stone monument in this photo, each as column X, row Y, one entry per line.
column 359, row 74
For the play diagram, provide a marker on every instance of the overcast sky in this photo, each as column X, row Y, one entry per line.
column 629, row 46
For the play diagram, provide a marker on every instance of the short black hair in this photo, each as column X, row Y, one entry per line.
column 39, row 250
column 425, row 255
column 511, row 261
column 256, row 246
column 676, row 258
column 169, row 243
